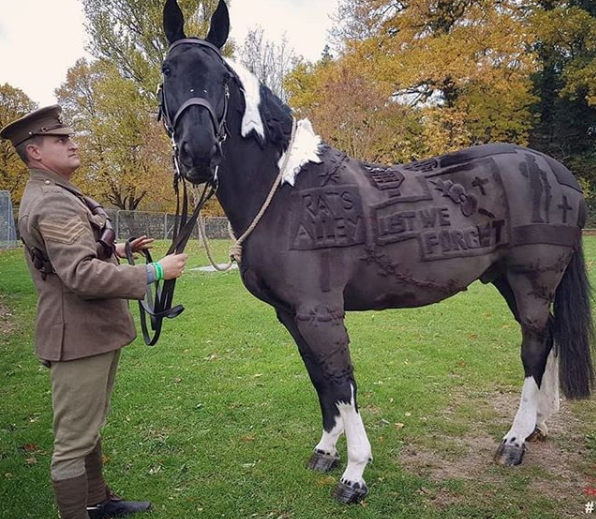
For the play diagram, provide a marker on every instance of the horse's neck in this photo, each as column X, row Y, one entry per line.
column 246, row 177
column 249, row 169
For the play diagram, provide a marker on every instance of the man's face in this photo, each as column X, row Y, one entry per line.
column 57, row 153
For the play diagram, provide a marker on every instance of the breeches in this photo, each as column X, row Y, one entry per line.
column 81, row 391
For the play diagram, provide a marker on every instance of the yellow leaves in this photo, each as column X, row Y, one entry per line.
column 14, row 103
column 124, row 151
column 454, row 74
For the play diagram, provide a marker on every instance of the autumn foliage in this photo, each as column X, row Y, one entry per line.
column 415, row 78
column 410, row 79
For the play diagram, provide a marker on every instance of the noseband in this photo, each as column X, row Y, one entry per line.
column 219, row 125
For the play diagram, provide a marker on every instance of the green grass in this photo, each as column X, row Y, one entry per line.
column 219, row 419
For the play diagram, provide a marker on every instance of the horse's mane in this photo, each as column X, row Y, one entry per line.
column 277, row 116
column 265, row 114
column 269, row 120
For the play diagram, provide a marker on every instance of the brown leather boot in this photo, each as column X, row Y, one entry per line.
column 97, row 490
column 71, row 496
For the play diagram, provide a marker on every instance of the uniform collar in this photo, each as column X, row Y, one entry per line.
column 49, row 177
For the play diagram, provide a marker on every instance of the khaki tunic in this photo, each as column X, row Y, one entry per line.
column 82, row 309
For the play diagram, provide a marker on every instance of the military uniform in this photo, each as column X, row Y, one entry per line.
column 82, row 308
column 82, row 322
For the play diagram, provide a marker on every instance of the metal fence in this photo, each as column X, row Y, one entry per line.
column 8, row 232
column 161, row 225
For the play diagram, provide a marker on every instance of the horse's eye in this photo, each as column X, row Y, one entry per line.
column 166, row 71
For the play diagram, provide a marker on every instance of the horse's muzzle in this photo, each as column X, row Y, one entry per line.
column 198, row 169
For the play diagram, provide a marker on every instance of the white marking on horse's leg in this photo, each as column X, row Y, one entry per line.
column 548, row 397
column 329, row 439
column 359, row 451
column 525, row 419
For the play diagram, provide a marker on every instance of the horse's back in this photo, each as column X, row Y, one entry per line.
column 438, row 224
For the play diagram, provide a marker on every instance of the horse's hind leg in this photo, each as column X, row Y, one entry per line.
column 532, row 291
column 323, row 344
column 548, row 398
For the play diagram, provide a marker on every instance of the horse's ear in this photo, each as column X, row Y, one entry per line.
column 220, row 26
column 173, row 21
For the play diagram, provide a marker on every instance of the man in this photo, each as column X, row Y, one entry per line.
column 82, row 315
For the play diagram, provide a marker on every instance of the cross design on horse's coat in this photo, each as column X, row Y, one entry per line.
column 333, row 239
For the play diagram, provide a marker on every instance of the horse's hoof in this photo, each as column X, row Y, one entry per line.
column 350, row 494
column 321, row 462
column 537, row 436
column 509, row 454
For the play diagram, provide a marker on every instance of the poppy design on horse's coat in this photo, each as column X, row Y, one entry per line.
column 340, row 234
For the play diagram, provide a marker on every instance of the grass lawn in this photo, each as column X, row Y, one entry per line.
column 219, row 419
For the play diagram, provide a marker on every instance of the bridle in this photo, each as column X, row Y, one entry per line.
column 158, row 305
column 219, row 124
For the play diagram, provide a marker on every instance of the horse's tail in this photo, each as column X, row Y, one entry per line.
column 573, row 329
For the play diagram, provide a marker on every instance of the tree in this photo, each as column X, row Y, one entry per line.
column 129, row 33
column 459, row 69
column 565, row 84
column 354, row 113
column 14, row 103
column 268, row 61
column 125, row 154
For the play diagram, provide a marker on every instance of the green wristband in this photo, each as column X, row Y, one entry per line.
column 158, row 271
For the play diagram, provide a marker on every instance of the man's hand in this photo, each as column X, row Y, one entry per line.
column 136, row 245
column 173, row 265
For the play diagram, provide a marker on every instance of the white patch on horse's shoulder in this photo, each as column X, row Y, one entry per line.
column 306, row 149
column 252, row 97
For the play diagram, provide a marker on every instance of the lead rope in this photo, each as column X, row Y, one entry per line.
column 235, row 252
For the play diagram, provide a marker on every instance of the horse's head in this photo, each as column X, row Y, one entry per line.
column 195, row 92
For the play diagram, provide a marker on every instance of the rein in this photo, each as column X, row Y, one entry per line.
column 158, row 303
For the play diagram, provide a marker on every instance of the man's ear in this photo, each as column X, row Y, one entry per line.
column 220, row 26
column 33, row 151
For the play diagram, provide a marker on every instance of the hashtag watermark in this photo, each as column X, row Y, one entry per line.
column 589, row 507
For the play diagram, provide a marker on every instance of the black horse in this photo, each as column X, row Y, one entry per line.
column 340, row 234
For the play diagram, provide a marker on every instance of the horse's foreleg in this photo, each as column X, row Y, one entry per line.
column 324, row 349
column 325, row 456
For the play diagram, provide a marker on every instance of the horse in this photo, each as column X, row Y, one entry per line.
column 330, row 234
